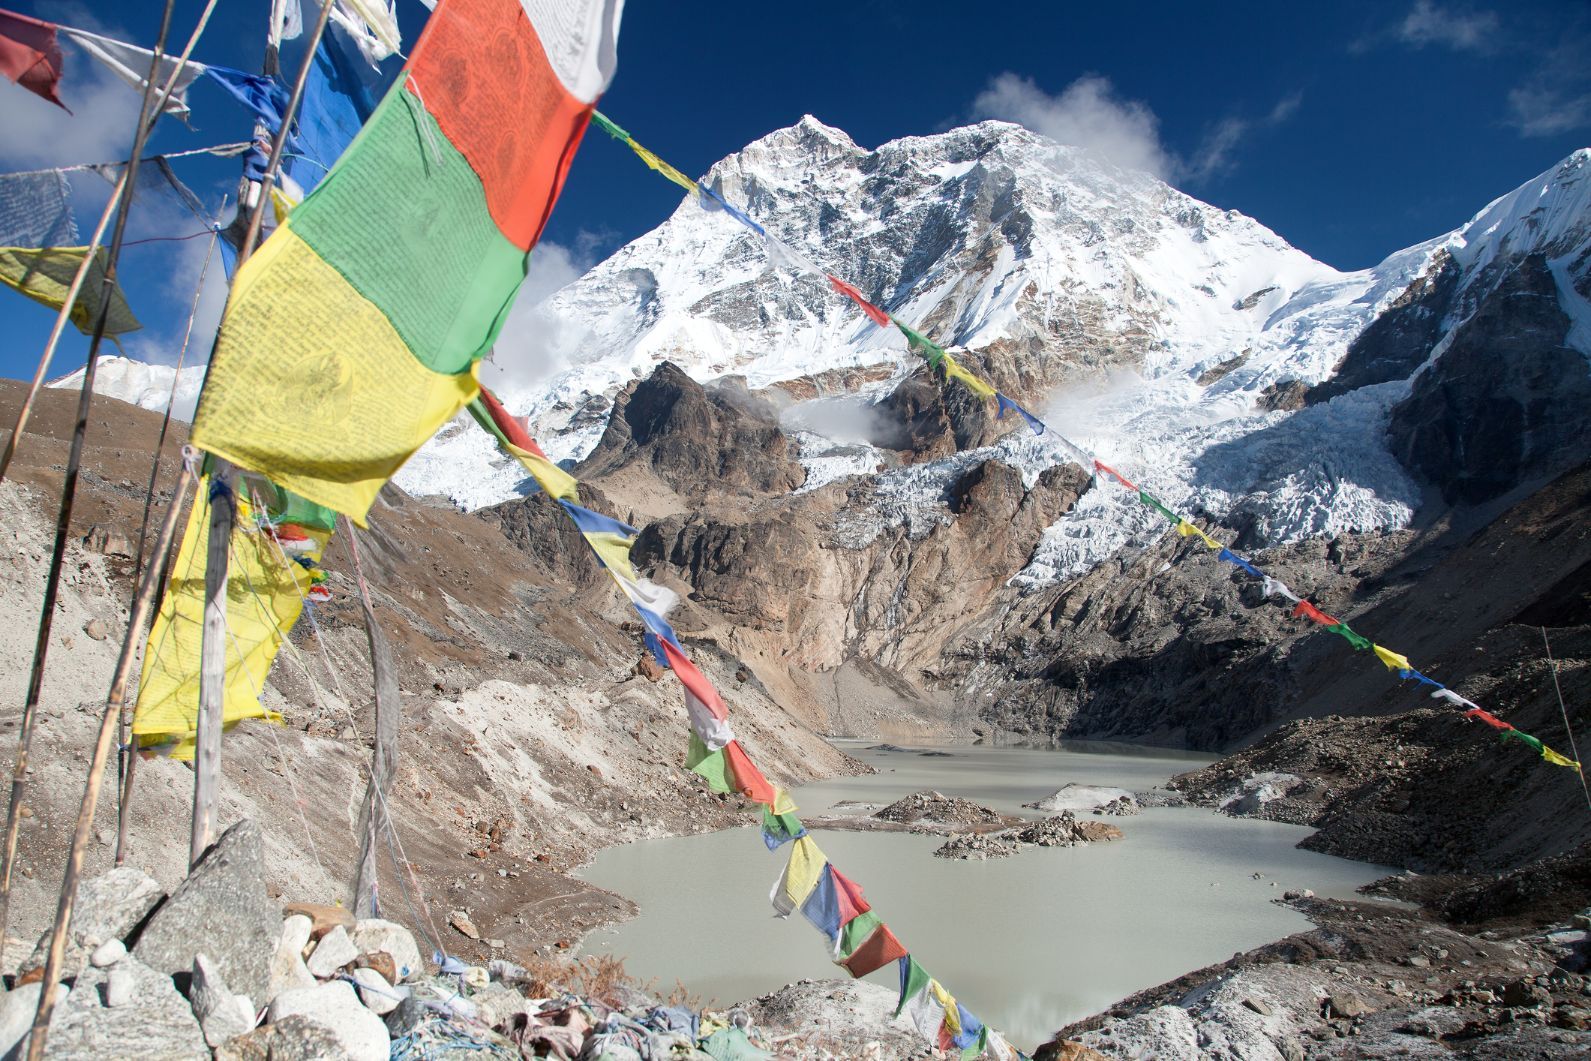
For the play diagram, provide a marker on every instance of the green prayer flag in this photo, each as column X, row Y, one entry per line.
column 977, row 1046
column 603, row 122
column 1149, row 499
column 914, row 983
column 921, row 345
column 1363, row 644
column 714, row 766
column 1523, row 738
column 856, row 931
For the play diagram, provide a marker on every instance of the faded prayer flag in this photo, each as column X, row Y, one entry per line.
column 31, row 56
column 131, row 64
column 354, row 332
column 45, row 275
column 36, row 210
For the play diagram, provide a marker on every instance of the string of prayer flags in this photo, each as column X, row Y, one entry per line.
column 787, row 257
column 45, row 275
column 1487, row 717
column 779, row 829
column 712, row 199
column 874, row 314
column 867, row 944
column 553, row 480
column 1192, row 530
column 30, row 55
column 1273, row 586
column 1344, row 631
column 131, row 64
column 916, row 342
column 36, row 210
column 1230, row 557
column 353, row 333
column 1006, row 405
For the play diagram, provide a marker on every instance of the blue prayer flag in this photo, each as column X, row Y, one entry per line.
column 822, row 907
column 1007, row 405
column 591, row 522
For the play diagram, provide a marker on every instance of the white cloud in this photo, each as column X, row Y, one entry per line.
column 1541, row 111
column 1088, row 113
column 1428, row 24
column 535, row 339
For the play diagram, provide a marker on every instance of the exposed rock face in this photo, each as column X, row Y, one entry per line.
column 1506, row 402
column 695, row 440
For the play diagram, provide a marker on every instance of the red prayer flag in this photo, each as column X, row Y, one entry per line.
column 1487, row 717
column 1306, row 610
column 876, row 951
column 31, row 56
column 748, row 779
column 849, row 894
column 1101, row 466
column 512, row 427
column 695, row 681
column 878, row 316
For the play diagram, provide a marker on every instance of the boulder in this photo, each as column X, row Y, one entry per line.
column 377, row 992
column 323, row 917
column 17, row 1009
column 152, row 1022
column 288, row 971
column 375, row 936
column 292, row 1038
column 334, row 951
column 107, row 907
column 334, row 1005
column 221, row 1014
column 222, row 911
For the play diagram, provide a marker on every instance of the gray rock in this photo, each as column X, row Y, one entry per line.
column 375, row 936
column 17, row 1009
column 107, row 907
column 288, row 971
column 154, row 1023
column 334, row 1004
column 221, row 1014
column 119, row 987
column 1347, row 1004
column 334, row 951
column 222, row 911
column 108, row 953
column 379, row 996
column 292, row 1038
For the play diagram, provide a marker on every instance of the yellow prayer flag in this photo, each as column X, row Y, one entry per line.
column 614, row 549
column 265, row 594
column 1393, row 660
column 664, row 168
column 45, row 274
column 1189, row 530
column 1558, row 760
column 782, row 803
column 800, row 875
column 953, row 370
column 946, row 999
column 553, row 480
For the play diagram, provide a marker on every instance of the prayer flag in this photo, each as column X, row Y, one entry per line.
column 1393, row 660
column 852, row 904
column 1232, row 558
column 1524, row 738
column 1274, row 586
column 1417, row 676
column 953, row 370
column 372, row 24
column 1451, row 697
column 36, row 210
column 710, row 199
column 1558, row 760
column 353, row 333
column 45, row 275
column 918, row 343
column 1101, row 466
column 1190, row 530
column 1487, row 717
column 873, row 953
column 31, row 56
column 553, row 480
column 927, row 1013
column 709, row 764
column 1306, row 610
column 749, row 781
column 1153, row 502
column 952, row 1010
column 340, row 95
column 668, row 171
column 874, row 314
column 799, row 878
column 971, row 1033
column 821, row 909
column 1007, row 405
column 853, row 934
column 787, row 257
column 131, row 63
column 1344, row 631
column 609, row 538
column 913, row 982
column 708, row 716
column 778, row 829
column 266, row 592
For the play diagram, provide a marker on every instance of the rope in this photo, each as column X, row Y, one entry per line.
column 1567, row 728
column 222, row 150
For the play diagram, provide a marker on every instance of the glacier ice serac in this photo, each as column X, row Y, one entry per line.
column 1144, row 324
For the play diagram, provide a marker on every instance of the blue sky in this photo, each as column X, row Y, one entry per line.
column 1352, row 129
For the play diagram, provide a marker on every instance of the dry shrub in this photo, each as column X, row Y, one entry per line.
column 597, row 976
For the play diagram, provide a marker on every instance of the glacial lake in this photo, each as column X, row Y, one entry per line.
column 1028, row 943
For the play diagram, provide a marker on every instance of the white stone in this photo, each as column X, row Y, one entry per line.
column 378, row 996
column 108, row 953
column 334, row 1006
column 288, row 971
column 334, row 951
column 17, row 1009
column 119, row 984
column 375, row 936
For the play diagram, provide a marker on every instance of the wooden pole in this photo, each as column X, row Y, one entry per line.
column 384, row 759
column 96, row 772
column 63, row 522
column 82, row 270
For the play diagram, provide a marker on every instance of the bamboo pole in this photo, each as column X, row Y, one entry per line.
column 99, row 232
column 52, row 584
column 96, row 770
column 384, row 758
